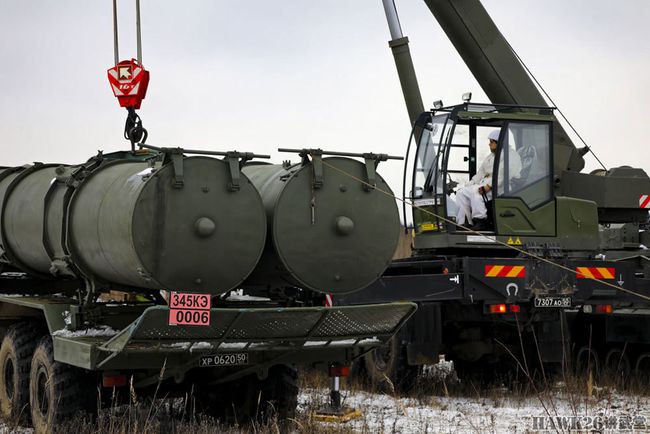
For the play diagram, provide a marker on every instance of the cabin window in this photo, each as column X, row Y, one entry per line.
column 524, row 165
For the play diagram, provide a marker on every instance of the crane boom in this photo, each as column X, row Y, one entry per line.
column 496, row 67
column 404, row 63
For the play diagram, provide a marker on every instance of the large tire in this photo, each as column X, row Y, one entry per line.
column 57, row 391
column 387, row 368
column 587, row 363
column 617, row 366
column 250, row 400
column 15, row 359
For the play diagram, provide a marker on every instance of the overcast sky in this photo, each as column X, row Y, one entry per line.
column 255, row 75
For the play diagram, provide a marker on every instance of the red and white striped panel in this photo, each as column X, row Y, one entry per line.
column 644, row 201
column 328, row 300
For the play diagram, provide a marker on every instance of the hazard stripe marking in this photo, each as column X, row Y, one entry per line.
column 515, row 271
column 493, row 271
column 644, row 201
column 505, row 271
column 606, row 273
column 584, row 273
column 595, row 273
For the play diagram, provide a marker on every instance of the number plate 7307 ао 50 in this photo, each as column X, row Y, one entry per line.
column 189, row 309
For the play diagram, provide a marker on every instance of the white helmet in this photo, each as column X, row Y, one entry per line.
column 494, row 135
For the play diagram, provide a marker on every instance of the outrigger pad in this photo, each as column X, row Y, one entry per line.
column 342, row 415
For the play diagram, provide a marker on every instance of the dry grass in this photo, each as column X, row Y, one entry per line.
column 577, row 395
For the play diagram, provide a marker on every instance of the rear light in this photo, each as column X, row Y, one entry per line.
column 113, row 380
column 339, row 371
column 497, row 308
column 504, row 308
column 604, row 308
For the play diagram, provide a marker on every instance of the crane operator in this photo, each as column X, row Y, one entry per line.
column 470, row 198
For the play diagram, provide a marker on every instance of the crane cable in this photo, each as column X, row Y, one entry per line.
column 551, row 100
column 134, row 131
column 522, row 251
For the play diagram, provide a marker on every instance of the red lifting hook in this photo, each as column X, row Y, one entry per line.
column 128, row 78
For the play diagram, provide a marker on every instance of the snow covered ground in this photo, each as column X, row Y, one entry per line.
column 500, row 413
column 493, row 411
column 10, row 429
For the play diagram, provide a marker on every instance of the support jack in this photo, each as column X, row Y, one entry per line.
column 335, row 412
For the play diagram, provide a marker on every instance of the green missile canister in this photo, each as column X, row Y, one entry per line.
column 178, row 226
column 328, row 232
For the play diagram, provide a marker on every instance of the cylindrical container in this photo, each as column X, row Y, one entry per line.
column 130, row 224
column 26, row 222
column 7, row 176
column 334, row 238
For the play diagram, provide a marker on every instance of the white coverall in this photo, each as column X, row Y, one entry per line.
column 470, row 202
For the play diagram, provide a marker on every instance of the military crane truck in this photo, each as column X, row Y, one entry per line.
column 563, row 271
column 158, row 272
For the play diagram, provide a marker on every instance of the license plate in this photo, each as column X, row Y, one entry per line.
column 553, row 302
column 232, row 359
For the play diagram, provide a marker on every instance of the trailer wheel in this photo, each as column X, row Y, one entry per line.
column 56, row 391
column 15, row 358
column 387, row 367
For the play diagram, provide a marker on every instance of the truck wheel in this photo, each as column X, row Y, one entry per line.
column 642, row 369
column 15, row 358
column 387, row 368
column 617, row 365
column 278, row 395
column 56, row 391
column 587, row 362
column 252, row 400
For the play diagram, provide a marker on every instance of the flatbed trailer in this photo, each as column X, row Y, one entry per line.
column 121, row 345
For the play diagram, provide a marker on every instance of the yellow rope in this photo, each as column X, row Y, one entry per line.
column 532, row 255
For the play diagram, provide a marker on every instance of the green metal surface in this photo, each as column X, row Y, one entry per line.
column 231, row 330
column 407, row 77
column 130, row 225
column 338, row 237
column 25, row 219
column 608, row 191
column 524, row 221
column 53, row 309
column 269, row 335
column 577, row 227
column 6, row 178
column 577, row 223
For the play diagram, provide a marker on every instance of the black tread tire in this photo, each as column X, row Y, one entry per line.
column 16, row 355
column 279, row 395
column 587, row 357
column 250, row 400
column 617, row 365
column 68, row 390
column 388, row 370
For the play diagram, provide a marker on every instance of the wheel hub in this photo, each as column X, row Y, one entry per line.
column 9, row 372
column 42, row 391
